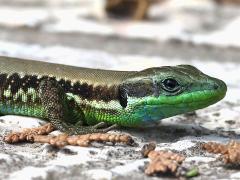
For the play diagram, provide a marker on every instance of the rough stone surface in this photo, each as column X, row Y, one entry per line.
column 200, row 33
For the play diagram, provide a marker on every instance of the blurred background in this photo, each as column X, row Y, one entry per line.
column 125, row 34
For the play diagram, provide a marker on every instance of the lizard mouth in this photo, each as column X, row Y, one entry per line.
column 200, row 99
column 155, row 109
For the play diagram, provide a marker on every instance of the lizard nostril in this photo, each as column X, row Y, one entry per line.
column 215, row 86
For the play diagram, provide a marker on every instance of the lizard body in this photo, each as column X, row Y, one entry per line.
column 74, row 98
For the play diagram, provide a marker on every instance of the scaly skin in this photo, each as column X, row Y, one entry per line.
column 72, row 97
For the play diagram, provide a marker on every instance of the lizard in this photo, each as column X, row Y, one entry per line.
column 78, row 100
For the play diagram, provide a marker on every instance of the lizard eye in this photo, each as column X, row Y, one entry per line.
column 170, row 85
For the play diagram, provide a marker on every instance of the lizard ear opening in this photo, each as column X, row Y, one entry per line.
column 122, row 96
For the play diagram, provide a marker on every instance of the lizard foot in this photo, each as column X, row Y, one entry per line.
column 98, row 128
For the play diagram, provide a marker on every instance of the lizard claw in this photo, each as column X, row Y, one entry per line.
column 114, row 126
column 100, row 125
column 98, row 128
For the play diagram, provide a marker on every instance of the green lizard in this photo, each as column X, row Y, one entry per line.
column 82, row 100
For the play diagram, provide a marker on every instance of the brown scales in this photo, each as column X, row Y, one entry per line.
column 140, row 88
column 39, row 135
column 3, row 78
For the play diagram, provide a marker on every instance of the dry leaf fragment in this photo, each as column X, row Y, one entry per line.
column 147, row 148
column 161, row 161
column 84, row 140
column 230, row 152
column 28, row 133
column 39, row 135
column 213, row 147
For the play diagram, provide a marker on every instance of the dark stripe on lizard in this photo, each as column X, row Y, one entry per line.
column 84, row 90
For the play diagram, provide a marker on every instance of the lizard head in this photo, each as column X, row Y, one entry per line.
column 162, row 92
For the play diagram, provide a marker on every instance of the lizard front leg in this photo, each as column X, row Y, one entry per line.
column 56, row 105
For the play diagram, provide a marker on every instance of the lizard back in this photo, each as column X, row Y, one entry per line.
column 20, row 79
